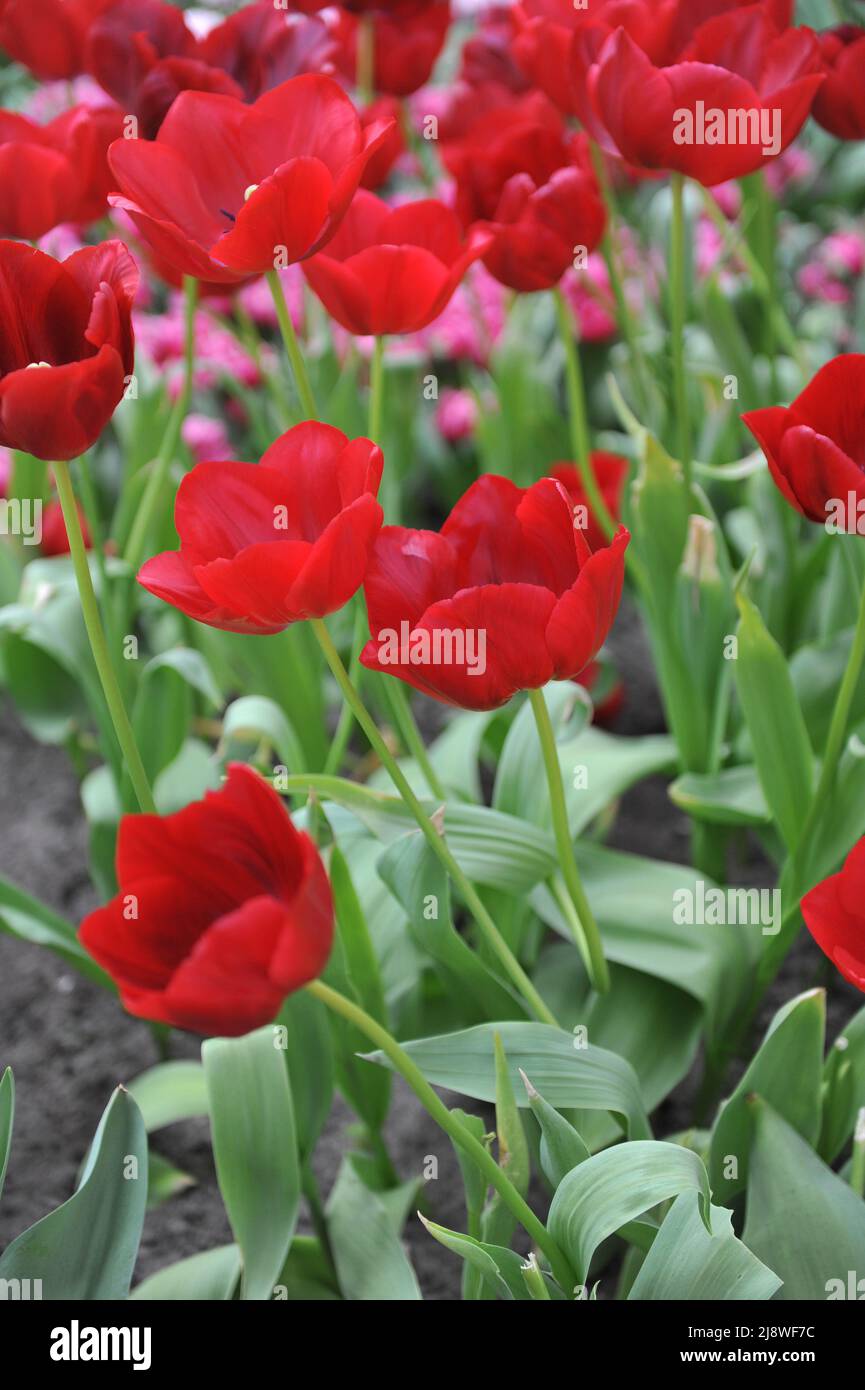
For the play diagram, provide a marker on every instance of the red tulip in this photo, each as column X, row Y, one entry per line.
column 67, row 345
column 737, row 100
column 57, row 172
column 406, row 43
column 506, row 597
column 128, row 39
column 392, row 270
column 834, row 914
column 49, row 38
column 816, row 446
column 392, row 147
column 227, row 190
column 840, row 103
column 167, row 79
column 268, row 545
column 224, row 908
column 518, row 167
column 488, row 54
column 611, row 472
column 263, row 45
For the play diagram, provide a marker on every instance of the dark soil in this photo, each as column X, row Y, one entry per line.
column 69, row 1043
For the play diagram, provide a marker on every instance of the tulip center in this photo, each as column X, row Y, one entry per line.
column 37, row 364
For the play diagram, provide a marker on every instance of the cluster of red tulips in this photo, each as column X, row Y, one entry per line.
column 506, row 306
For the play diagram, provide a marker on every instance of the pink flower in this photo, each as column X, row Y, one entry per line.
column 456, row 415
column 845, row 252
column 206, row 439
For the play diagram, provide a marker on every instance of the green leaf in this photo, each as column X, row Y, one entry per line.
column 370, row 1261
column 840, row 1111
column 256, row 719
column 168, row 684
column 612, row 1188
column 309, row 1054
column 24, row 916
column 7, row 1116
column 570, row 1076
column 733, row 796
column 802, row 1220
column 420, row 884
column 793, row 1047
column 779, row 738
column 499, row 1267
column 562, row 1148
column 169, row 1092
column 687, row 1263
column 307, row 1274
column 86, row 1249
column 210, row 1276
column 164, row 1180
column 255, row 1151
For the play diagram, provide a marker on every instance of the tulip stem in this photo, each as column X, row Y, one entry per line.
column 376, row 390
column 155, row 485
column 434, row 838
column 835, row 740
column 409, row 732
column 365, row 62
column 292, row 346
column 453, row 1127
column 98, row 643
column 578, row 417
column 678, row 298
column 598, row 970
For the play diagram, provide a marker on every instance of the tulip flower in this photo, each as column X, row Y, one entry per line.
column 518, row 167
column 49, row 38
column 224, row 908
column 611, row 473
column 840, row 103
column 57, row 172
column 55, row 537
column 262, row 45
column 68, row 345
column 816, row 446
column 228, row 190
column 834, row 914
column 738, row 96
column 263, row 546
column 506, row 597
column 128, row 38
column 392, row 270
column 405, row 43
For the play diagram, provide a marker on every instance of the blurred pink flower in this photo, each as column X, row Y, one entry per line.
column 456, row 415
column 206, row 438
column 218, row 354
column 815, row 281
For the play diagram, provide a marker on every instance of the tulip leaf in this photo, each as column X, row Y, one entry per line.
column 562, row 1148
column 86, row 1249
column 23, row 916
column 779, row 738
column 256, row 719
column 793, row 1047
column 613, row 1188
column 7, row 1116
column 164, row 1180
column 169, row 1092
column 169, row 683
column 802, row 1220
column 689, row 1264
column 499, row 1267
column 211, row 1275
column 304, row 1032
column 569, row 1075
column 419, row 883
column 849, row 1049
column 370, row 1261
column 732, row 796
column 255, row 1150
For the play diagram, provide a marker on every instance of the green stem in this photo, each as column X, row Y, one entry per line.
column 400, row 708
column 598, row 970
column 155, row 486
column 678, row 298
column 336, row 752
column 835, row 740
column 434, row 839
column 365, row 72
column 376, row 391
column 857, row 1169
column 453, row 1127
column 292, row 347
column 98, row 644
column 578, row 419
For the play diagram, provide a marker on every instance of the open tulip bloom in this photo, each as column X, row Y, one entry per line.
column 432, row 661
